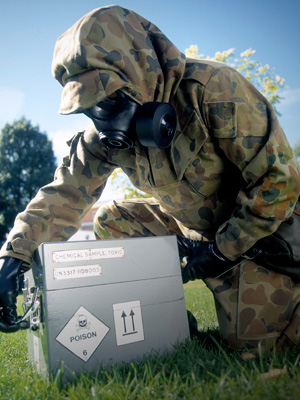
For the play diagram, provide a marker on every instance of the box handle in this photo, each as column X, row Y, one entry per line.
column 31, row 306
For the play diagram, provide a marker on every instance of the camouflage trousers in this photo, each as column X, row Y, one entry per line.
column 254, row 305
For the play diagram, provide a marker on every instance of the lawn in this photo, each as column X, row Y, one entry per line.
column 198, row 369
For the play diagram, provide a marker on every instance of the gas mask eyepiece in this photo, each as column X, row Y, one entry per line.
column 114, row 120
column 120, row 121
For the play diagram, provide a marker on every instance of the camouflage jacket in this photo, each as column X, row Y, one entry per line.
column 229, row 173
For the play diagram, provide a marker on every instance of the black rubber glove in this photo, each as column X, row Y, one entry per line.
column 277, row 255
column 10, row 270
column 203, row 259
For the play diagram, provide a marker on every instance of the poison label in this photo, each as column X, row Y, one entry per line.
column 83, row 334
column 128, row 322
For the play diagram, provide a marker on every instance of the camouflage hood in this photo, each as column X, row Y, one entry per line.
column 114, row 48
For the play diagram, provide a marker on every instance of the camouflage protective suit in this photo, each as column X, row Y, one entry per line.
column 229, row 175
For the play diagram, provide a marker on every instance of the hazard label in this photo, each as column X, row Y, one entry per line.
column 128, row 322
column 83, row 334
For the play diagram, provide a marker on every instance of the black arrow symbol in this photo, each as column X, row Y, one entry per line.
column 132, row 319
column 124, row 316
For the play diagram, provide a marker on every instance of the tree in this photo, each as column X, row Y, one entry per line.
column 262, row 77
column 297, row 152
column 122, row 184
column 27, row 162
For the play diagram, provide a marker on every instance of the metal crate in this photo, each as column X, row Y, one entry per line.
column 98, row 303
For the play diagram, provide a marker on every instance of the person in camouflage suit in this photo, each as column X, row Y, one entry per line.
column 228, row 180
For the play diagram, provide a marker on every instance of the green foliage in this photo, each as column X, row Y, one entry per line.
column 261, row 76
column 122, row 184
column 199, row 369
column 27, row 162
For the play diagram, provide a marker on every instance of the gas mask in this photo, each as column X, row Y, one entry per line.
column 120, row 121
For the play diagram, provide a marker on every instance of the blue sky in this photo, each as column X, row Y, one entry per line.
column 30, row 28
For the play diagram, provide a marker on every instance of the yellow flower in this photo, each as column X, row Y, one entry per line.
column 192, row 52
column 227, row 52
column 279, row 80
column 218, row 56
column 194, row 48
column 248, row 53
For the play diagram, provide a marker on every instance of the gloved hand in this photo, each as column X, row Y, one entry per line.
column 10, row 270
column 276, row 254
column 203, row 259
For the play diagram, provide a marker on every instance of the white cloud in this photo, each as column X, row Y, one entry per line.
column 59, row 139
column 290, row 117
column 11, row 101
column 289, row 97
column 62, row 135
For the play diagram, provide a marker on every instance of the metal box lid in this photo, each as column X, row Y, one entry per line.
column 101, row 262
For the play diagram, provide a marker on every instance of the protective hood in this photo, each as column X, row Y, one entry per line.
column 114, row 48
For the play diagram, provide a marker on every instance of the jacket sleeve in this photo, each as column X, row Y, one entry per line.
column 248, row 134
column 57, row 210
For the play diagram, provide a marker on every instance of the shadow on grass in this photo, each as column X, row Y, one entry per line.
column 209, row 339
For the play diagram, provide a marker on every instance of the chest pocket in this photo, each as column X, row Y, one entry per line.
column 197, row 157
column 239, row 127
column 181, row 197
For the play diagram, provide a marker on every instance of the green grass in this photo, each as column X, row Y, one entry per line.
column 198, row 369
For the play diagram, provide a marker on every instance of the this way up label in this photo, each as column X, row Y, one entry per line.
column 128, row 322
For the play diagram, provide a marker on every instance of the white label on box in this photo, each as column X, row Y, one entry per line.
column 83, row 334
column 87, row 254
column 84, row 271
column 128, row 322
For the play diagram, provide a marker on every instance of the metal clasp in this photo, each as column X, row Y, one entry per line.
column 31, row 305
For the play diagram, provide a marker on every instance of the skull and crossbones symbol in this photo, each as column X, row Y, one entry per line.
column 82, row 322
